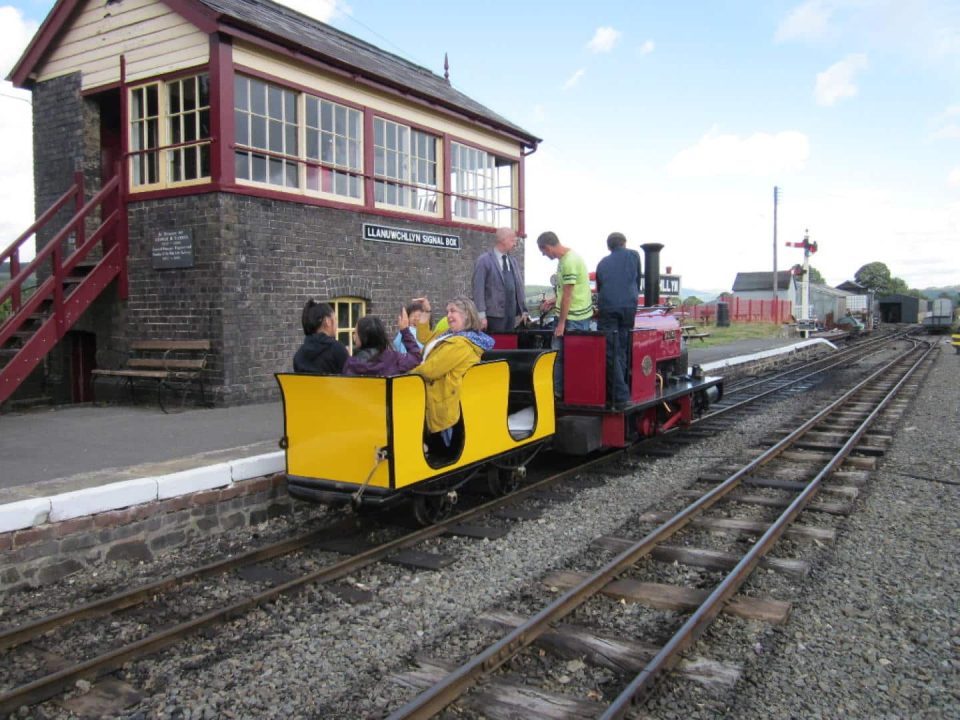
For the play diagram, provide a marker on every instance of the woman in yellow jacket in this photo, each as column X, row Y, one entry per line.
column 447, row 355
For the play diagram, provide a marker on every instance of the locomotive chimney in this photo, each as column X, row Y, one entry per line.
column 651, row 273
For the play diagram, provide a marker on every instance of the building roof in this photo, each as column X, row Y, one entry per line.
column 897, row 298
column 267, row 23
column 761, row 281
column 853, row 287
column 827, row 290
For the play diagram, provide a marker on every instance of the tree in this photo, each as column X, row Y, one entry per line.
column 875, row 277
column 692, row 301
column 816, row 277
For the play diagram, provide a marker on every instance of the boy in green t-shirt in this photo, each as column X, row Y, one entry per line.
column 573, row 297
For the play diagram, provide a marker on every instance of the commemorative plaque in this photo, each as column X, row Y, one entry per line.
column 172, row 249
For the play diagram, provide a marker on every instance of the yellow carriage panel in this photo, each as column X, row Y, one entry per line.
column 335, row 425
column 484, row 400
column 483, row 395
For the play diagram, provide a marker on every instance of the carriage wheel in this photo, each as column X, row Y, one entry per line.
column 503, row 481
column 430, row 509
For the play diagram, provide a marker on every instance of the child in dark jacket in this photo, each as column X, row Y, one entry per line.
column 321, row 352
column 374, row 355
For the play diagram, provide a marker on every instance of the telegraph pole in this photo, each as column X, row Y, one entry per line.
column 776, row 197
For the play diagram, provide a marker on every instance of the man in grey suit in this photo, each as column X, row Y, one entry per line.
column 498, row 285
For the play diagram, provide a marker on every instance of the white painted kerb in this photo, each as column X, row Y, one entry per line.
column 126, row 493
column 741, row 359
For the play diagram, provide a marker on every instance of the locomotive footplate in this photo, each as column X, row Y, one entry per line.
column 582, row 429
column 673, row 391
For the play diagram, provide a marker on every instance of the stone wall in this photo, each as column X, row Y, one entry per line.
column 46, row 553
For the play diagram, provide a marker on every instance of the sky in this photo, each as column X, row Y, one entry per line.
column 673, row 123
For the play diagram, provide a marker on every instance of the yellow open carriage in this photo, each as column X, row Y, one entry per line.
column 361, row 439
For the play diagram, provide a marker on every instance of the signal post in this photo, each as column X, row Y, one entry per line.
column 804, row 272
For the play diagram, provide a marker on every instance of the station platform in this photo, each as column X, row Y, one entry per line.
column 69, row 452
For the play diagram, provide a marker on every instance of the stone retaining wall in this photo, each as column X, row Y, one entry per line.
column 43, row 554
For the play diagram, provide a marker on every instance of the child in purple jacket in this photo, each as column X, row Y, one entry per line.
column 374, row 356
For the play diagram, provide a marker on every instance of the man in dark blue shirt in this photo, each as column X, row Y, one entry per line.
column 618, row 287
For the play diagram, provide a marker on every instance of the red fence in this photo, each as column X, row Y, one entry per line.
column 742, row 310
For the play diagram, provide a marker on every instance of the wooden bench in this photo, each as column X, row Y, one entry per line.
column 168, row 362
column 690, row 332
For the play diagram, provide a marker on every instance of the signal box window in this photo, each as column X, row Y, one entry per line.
column 482, row 186
column 334, row 146
column 145, row 135
column 170, row 133
column 405, row 167
column 188, row 120
column 348, row 310
column 265, row 116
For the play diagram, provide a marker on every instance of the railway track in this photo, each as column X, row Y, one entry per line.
column 44, row 685
column 799, row 377
column 754, row 394
column 846, row 422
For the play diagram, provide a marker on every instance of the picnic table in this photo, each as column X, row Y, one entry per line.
column 693, row 332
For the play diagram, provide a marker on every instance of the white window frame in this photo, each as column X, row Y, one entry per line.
column 478, row 193
column 279, row 131
column 404, row 175
column 341, row 165
column 145, row 144
column 350, row 302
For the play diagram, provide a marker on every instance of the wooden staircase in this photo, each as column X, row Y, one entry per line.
column 46, row 297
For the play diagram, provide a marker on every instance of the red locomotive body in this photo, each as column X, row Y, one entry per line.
column 664, row 393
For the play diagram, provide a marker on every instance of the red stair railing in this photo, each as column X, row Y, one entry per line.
column 54, row 306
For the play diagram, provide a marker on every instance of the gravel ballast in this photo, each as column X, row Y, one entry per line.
column 872, row 634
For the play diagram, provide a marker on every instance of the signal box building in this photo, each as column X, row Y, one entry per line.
column 236, row 158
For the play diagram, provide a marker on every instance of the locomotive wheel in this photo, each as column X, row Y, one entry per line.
column 430, row 509
column 503, row 481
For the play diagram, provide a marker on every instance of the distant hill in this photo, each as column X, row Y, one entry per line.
column 705, row 295
column 932, row 293
column 535, row 292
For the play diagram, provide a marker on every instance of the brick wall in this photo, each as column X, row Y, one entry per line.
column 41, row 555
column 257, row 261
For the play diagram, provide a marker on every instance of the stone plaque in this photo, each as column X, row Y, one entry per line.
column 172, row 249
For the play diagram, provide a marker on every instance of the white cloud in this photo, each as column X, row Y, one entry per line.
column 16, row 143
column 574, row 79
column 322, row 10
column 951, row 131
column 647, row 48
column 946, row 128
column 807, row 21
column 953, row 179
column 697, row 219
column 604, row 40
column 928, row 31
column 757, row 155
column 837, row 81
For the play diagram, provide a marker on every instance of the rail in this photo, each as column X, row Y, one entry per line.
column 449, row 688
